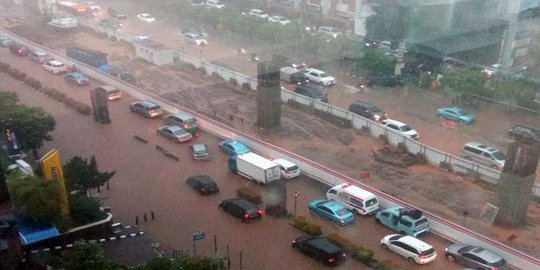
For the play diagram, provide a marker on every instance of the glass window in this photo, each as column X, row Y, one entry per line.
column 356, row 202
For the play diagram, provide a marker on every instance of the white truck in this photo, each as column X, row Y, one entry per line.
column 255, row 167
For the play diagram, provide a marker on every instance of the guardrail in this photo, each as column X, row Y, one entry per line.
column 440, row 226
column 433, row 155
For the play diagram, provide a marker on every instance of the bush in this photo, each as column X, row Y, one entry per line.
column 83, row 108
column 387, row 265
column 362, row 254
column 307, row 225
column 249, row 194
column 341, row 242
column 85, row 210
column 33, row 82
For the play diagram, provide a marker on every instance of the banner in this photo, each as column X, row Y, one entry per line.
column 51, row 167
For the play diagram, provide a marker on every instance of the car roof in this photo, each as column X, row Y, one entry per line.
column 55, row 62
column 243, row 203
column 236, row 144
column 40, row 53
column 415, row 242
column 395, row 122
column 485, row 254
column 147, row 103
column 482, row 146
column 182, row 115
column 324, row 244
column 199, row 147
column 108, row 88
column 202, row 178
column 315, row 70
column 333, row 205
column 76, row 74
column 174, row 128
column 356, row 191
column 283, row 162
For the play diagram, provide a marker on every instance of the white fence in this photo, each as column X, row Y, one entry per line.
column 440, row 226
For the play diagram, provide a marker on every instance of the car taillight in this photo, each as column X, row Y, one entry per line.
column 494, row 268
column 190, row 136
column 342, row 220
column 246, row 216
column 344, row 255
column 331, row 260
column 422, row 256
column 260, row 212
column 377, row 117
column 186, row 126
column 203, row 190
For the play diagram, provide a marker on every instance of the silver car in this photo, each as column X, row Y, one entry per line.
column 474, row 257
column 175, row 133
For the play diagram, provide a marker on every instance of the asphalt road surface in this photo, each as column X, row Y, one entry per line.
column 146, row 181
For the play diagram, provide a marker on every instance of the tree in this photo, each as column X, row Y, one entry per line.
column 519, row 92
column 34, row 197
column 464, row 82
column 375, row 60
column 87, row 256
column 80, row 174
column 85, row 209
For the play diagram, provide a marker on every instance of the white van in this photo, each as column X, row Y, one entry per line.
column 357, row 200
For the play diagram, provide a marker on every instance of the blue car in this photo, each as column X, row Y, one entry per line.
column 233, row 148
column 77, row 78
column 332, row 210
column 456, row 114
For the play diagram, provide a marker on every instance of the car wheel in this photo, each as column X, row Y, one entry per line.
column 450, row 258
column 411, row 260
column 384, row 246
column 378, row 221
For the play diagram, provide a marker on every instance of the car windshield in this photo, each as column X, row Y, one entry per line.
column 462, row 112
column 292, row 168
column 324, row 75
column 421, row 222
column 498, row 155
column 371, row 202
column 405, row 128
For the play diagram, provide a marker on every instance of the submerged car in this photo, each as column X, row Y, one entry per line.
column 332, row 210
column 203, row 184
column 233, row 148
column 474, row 257
column 174, row 133
column 456, row 114
column 77, row 78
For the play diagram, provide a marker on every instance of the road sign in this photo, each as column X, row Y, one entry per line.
column 198, row 235
column 296, row 192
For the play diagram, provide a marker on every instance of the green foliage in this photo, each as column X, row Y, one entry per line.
column 465, row 81
column 184, row 263
column 375, row 60
column 359, row 253
column 362, row 254
column 519, row 92
column 249, row 194
column 35, row 197
column 85, row 209
column 307, row 225
column 388, row 265
column 87, row 256
column 81, row 174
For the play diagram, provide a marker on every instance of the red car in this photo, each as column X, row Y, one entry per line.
column 19, row 49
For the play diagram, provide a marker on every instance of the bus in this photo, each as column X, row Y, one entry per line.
column 71, row 8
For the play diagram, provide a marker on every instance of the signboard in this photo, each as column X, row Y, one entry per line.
column 51, row 167
column 198, row 235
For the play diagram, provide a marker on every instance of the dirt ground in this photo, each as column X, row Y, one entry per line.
column 344, row 150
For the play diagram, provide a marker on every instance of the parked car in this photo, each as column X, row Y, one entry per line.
column 319, row 76
column 92, row 8
column 195, row 30
column 196, row 39
column 111, row 23
column 112, row 92
column 203, row 184
column 279, row 19
column 174, row 133
column 312, row 92
column 401, row 127
column 456, row 114
column 233, row 148
column 145, row 17
column 483, row 154
column 40, row 57
column 329, row 31
column 116, row 14
column 146, row 108
column 332, row 210
column 368, row 110
column 5, row 41
column 321, row 249
column 199, row 151
column 19, row 49
column 55, row 67
column 474, row 257
column 214, row 4
column 242, row 209
column 415, row 250
column 77, row 78
column 186, row 121
column 258, row 13
column 288, row 169
column 523, row 131
column 405, row 221
column 390, row 80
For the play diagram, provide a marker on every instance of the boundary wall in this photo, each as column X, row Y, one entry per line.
column 440, row 226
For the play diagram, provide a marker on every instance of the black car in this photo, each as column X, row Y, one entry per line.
column 367, row 110
column 523, row 131
column 312, row 92
column 321, row 249
column 19, row 49
column 203, row 184
column 386, row 80
column 114, row 13
column 242, row 209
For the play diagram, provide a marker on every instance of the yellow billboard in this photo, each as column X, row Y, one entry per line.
column 51, row 166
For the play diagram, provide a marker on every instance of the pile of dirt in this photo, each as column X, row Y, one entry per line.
column 396, row 157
